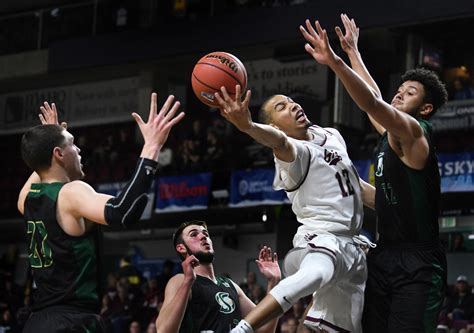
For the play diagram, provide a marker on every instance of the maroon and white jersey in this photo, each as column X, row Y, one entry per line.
column 322, row 185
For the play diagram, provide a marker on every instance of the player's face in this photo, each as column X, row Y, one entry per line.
column 409, row 97
column 287, row 115
column 197, row 242
column 71, row 158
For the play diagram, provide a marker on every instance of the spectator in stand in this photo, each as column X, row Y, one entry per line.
column 111, row 287
column 249, row 283
column 462, row 89
column 8, row 323
column 151, row 327
column 135, row 327
column 165, row 160
column 461, row 305
column 458, row 243
column 132, row 274
column 257, row 294
column 290, row 325
column 213, row 157
column 163, row 278
column 190, row 158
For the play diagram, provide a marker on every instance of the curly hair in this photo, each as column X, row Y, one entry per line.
column 435, row 90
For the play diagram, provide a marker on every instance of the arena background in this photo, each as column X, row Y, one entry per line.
column 99, row 60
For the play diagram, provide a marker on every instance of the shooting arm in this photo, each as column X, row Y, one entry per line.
column 273, row 138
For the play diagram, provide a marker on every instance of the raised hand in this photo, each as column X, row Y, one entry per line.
column 156, row 130
column 235, row 110
column 350, row 38
column 49, row 115
column 188, row 267
column 318, row 43
column 267, row 263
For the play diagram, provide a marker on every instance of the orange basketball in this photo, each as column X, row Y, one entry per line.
column 215, row 70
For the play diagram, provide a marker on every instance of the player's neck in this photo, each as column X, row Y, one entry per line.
column 54, row 174
column 207, row 271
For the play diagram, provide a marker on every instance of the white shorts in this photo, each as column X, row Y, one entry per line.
column 337, row 306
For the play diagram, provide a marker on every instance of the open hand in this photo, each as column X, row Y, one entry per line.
column 318, row 43
column 49, row 115
column 350, row 38
column 267, row 263
column 235, row 110
column 158, row 126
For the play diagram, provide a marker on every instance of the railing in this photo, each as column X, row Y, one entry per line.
column 36, row 29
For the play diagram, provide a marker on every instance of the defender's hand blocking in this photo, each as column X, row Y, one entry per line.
column 267, row 263
column 158, row 126
column 351, row 37
column 49, row 115
column 318, row 43
column 235, row 110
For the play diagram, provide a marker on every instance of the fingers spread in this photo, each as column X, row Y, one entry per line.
column 173, row 110
column 309, row 48
column 246, row 100
column 138, row 119
column 43, row 121
column 176, row 119
column 153, row 106
column 225, row 94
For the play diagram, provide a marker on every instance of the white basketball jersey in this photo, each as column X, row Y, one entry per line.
column 322, row 185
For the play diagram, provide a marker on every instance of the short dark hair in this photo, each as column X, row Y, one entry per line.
column 38, row 143
column 435, row 90
column 263, row 115
column 178, row 234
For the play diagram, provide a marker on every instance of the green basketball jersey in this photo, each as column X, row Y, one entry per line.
column 407, row 200
column 213, row 307
column 64, row 267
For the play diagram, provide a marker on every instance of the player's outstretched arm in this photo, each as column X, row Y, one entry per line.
column 237, row 112
column 402, row 126
column 48, row 116
column 177, row 293
column 80, row 200
column 349, row 44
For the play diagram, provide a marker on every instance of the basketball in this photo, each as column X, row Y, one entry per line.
column 215, row 70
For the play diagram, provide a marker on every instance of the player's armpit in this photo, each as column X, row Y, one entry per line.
column 80, row 200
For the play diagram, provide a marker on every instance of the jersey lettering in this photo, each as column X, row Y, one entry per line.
column 225, row 302
column 389, row 195
column 340, row 180
column 39, row 258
